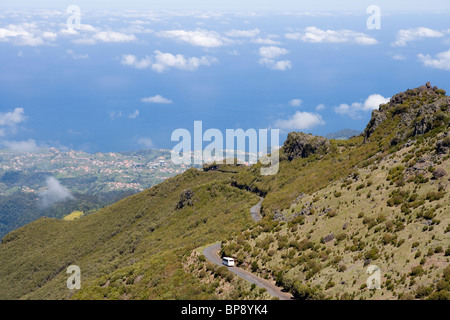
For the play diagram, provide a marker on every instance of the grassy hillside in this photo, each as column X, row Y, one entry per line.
column 379, row 199
column 141, row 237
column 334, row 208
column 323, row 243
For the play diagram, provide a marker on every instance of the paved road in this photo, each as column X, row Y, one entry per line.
column 211, row 253
column 255, row 210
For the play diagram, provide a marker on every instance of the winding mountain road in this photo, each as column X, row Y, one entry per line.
column 256, row 209
column 212, row 254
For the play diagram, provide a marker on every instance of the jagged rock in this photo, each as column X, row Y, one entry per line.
column 443, row 146
column 439, row 173
column 302, row 145
column 377, row 118
column 299, row 197
column 186, row 199
column 345, row 226
column 328, row 238
column 367, row 262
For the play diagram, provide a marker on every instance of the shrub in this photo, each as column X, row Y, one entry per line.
column 303, row 292
column 330, row 284
column 434, row 195
column 417, row 271
column 372, row 254
column 423, row 292
column 342, row 267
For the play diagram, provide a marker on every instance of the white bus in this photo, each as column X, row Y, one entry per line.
column 229, row 262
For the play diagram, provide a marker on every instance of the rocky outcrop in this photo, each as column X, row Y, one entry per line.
column 443, row 146
column 420, row 110
column 377, row 118
column 302, row 145
column 439, row 173
column 328, row 238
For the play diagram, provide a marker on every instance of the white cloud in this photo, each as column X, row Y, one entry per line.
column 320, row 107
column 75, row 56
column 111, row 36
column 282, row 65
column 146, row 142
column 55, row 192
column 200, row 37
column 316, row 35
column 21, row 146
column 355, row 109
column 94, row 36
column 133, row 61
column 407, row 35
column 137, row 29
column 300, row 121
column 13, row 118
column 442, row 60
column 166, row 61
column 268, row 55
column 134, row 115
column 115, row 115
column 266, row 41
column 72, row 31
column 156, row 99
column 88, row 28
column 161, row 62
column 49, row 35
column 295, row 102
column 9, row 123
column 272, row 52
column 26, row 34
column 243, row 33
column 84, row 41
column 398, row 57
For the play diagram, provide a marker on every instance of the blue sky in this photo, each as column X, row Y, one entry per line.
column 128, row 78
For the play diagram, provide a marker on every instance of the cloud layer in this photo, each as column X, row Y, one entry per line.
column 201, row 38
column 316, row 35
column 161, row 62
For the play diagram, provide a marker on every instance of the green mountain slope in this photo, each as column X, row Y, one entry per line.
column 139, row 231
column 381, row 199
column 334, row 208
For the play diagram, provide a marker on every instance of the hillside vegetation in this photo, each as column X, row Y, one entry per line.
column 334, row 208
column 378, row 200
